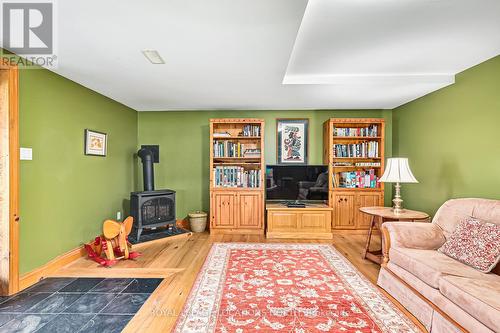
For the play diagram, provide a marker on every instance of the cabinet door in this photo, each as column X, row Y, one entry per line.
column 315, row 222
column 250, row 209
column 224, row 209
column 366, row 199
column 344, row 210
column 282, row 221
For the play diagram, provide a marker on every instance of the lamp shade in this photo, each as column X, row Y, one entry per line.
column 398, row 171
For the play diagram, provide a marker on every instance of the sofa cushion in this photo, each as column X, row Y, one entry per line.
column 431, row 265
column 409, row 300
column 479, row 298
column 453, row 211
column 475, row 243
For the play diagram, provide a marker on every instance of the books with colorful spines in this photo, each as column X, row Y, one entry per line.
column 358, row 179
column 370, row 131
column 250, row 130
column 235, row 176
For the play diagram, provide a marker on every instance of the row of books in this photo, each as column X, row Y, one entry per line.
column 363, row 149
column 255, row 152
column 356, row 179
column 234, row 149
column 251, row 130
column 235, row 176
column 371, row 130
column 357, row 164
column 367, row 164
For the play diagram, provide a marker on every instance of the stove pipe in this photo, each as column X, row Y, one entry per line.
column 147, row 169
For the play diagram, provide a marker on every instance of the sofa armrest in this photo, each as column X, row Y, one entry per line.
column 412, row 235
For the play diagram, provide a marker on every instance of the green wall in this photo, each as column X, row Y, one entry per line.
column 66, row 195
column 184, row 146
column 452, row 139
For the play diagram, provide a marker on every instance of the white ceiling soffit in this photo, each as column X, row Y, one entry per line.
column 418, row 44
column 233, row 54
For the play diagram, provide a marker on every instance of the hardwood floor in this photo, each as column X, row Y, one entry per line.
column 178, row 262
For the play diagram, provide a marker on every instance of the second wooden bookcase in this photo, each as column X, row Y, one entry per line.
column 237, row 171
column 353, row 148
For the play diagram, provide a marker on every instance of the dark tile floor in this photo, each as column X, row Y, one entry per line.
column 75, row 305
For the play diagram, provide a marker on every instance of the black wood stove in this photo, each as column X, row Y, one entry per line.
column 151, row 208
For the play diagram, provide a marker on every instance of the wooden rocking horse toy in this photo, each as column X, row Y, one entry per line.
column 113, row 242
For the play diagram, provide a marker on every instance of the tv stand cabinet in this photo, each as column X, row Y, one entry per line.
column 311, row 222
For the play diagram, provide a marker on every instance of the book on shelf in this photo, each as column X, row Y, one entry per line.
column 367, row 164
column 255, row 152
column 250, row 130
column 369, row 131
column 367, row 149
column 356, row 179
column 343, row 164
column 222, row 135
column 228, row 149
column 357, row 164
column 235, row 176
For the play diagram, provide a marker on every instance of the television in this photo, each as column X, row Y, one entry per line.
column 297, row 182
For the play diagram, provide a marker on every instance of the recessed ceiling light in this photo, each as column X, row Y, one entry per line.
column 153, row 56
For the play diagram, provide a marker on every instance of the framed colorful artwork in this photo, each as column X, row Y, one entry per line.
column 96, row 143
column 292, row 140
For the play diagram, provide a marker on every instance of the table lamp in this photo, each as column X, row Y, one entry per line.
column 397, row 171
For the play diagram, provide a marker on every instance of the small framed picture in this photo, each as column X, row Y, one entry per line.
column 292, row 140
column 96, row 143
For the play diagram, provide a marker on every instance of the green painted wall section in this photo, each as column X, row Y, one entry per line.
column 66, row 195
column 184, row 146
column 452, row 139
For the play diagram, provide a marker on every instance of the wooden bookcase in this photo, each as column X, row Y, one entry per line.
column 237, row 209
column 346, row 201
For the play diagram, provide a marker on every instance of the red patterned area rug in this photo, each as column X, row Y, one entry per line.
column 285, row 288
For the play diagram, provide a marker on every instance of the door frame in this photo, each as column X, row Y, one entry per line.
column 9, row 123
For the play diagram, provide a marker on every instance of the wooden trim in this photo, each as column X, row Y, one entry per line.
column 139, row 246
column 237, row 120
column 9, row 123
column 37, row 274
column 422, row 297
column 14, row 179
column 117, row 272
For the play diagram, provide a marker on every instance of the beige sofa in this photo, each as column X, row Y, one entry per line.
column 442, row 293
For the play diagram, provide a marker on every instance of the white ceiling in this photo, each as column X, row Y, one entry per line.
column 273, row 54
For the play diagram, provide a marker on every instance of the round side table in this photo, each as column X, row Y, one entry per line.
column 383, row 214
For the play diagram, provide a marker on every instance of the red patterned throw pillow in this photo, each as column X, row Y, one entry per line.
column 475, row 243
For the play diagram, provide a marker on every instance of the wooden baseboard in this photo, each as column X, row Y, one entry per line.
column 28, row 279
column 116, row 272
column 236, row 231
column 301, row 235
